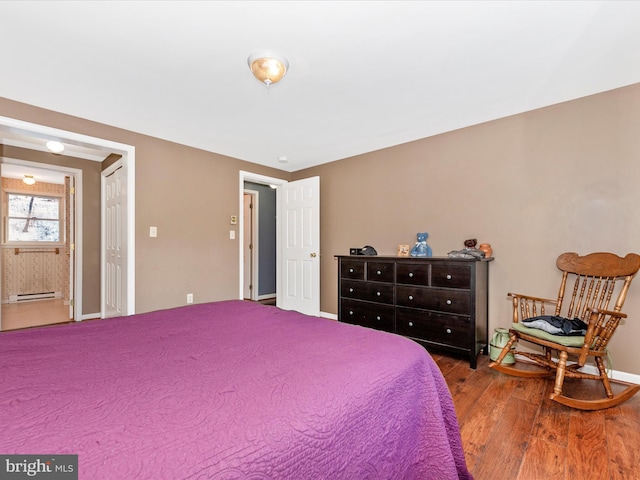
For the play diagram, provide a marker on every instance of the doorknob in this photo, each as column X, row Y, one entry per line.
column 314, row 255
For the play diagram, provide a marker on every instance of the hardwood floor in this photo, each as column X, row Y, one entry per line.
column 268, row 301
column 32, row 314
column 511, row 430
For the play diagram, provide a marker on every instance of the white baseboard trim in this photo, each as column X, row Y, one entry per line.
column 90, row 316
column 613, row 374
column 330, row 316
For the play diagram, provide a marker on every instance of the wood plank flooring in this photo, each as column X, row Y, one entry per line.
column 32, row 314
column 511, row 430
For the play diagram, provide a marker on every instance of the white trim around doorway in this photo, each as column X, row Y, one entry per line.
column 77, row 274
column 265, row 180
column 128, row 165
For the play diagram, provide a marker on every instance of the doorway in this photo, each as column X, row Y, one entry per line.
column 253, row 182
column 259, row 240
column 38, row 243
column 297, row 241
column 36, row 135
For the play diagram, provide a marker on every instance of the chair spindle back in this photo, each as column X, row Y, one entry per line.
column 595, row 277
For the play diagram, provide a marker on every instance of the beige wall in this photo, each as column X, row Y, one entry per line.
column 562, row 178
column 189, row 194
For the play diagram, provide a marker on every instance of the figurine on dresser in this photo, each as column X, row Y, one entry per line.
column 421, row 249
column 469, row 250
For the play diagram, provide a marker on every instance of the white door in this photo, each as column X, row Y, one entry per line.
column 299, row 279
column 114, row 245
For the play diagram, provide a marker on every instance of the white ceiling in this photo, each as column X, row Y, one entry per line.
column 39, row 174
column 26, row 139
column 364, row 75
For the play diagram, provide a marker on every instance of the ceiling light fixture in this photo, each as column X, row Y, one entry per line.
column 55, row 147
column 268, row 68
column 29, row 180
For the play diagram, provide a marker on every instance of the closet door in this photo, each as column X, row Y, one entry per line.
column 114, row 246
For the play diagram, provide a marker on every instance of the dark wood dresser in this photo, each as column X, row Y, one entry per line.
column 440, row 302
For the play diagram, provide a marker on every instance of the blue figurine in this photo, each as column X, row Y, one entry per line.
column 421, row 249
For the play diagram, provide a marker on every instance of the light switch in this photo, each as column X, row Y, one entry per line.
column 153, row 231
column 232, row 234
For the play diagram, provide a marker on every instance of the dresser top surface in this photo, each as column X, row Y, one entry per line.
column 412, row 259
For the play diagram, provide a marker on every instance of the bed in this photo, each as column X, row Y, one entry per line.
column 228, row 390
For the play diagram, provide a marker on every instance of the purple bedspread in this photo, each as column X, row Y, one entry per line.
column 229, row 390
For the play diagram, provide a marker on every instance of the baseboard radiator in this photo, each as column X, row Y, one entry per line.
column 25, row 297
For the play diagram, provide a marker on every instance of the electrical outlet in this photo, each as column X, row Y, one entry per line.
column 153, row 232
column 189, row 297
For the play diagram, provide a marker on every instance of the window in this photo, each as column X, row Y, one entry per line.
column 33, row 218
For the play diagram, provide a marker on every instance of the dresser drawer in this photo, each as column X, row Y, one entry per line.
column 447, row 300
column 353, row 270
column 369, row 291
column 452, row 276
column 380, row 271
column 372, row 315
column 452, row 330
column 412, row 274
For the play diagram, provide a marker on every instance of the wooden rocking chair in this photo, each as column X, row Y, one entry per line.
column 590, row 282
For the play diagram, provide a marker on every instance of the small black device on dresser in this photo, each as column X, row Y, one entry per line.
column 440, row 302
column 366, row 250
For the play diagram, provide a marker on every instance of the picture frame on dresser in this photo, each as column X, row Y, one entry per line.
column 440, row 302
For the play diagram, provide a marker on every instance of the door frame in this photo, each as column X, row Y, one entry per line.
column 128, row 164
column 75, row 274
column 265, row 180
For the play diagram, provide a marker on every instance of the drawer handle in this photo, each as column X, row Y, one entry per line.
column 410, row 297
column 449, row 302
column 378, row 293
column 448, row 330
column 378, row 317
column 351, row 270
column 379, row 272
column 448, row 277
column 350, row 312
column 411, row 324
column 410, row 274
column 350, row 290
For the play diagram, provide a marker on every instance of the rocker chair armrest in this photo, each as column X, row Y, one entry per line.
column 526, row 306
column 600, row 327
column 600, row 311
column 529, row 297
